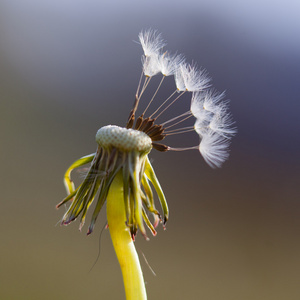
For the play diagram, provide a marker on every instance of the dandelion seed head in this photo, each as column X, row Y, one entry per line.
column 124, row 150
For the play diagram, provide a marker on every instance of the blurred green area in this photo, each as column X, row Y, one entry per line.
column 233, row 233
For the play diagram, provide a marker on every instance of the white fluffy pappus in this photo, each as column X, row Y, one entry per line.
column 151, row 65
column 151, row 42
column 170, row 63
column 222, row 123
column 191, row 78
column 214, row 148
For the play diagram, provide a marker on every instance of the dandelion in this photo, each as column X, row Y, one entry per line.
column 120, row 173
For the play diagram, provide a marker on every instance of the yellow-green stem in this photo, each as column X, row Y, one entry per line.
column 123, row 244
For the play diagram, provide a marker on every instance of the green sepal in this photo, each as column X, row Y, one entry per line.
column 148, row 223
column 149, row 172
column 79, row 162
column 135, row 175
column 68, row 198
column 126, row 190
column 148, row 200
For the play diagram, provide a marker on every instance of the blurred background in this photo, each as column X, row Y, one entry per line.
column 68, row 68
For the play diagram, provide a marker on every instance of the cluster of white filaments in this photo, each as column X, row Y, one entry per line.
column 213, row 121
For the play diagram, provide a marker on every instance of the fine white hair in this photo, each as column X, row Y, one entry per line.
column 169, row 63
column 191, row 78
column 151, row 42
column 214, row 149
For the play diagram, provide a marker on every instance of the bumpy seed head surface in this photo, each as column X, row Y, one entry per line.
column 123, row 139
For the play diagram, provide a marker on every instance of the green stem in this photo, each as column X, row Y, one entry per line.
column 122, row 242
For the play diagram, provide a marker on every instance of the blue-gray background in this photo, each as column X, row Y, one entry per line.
column 70, row 67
